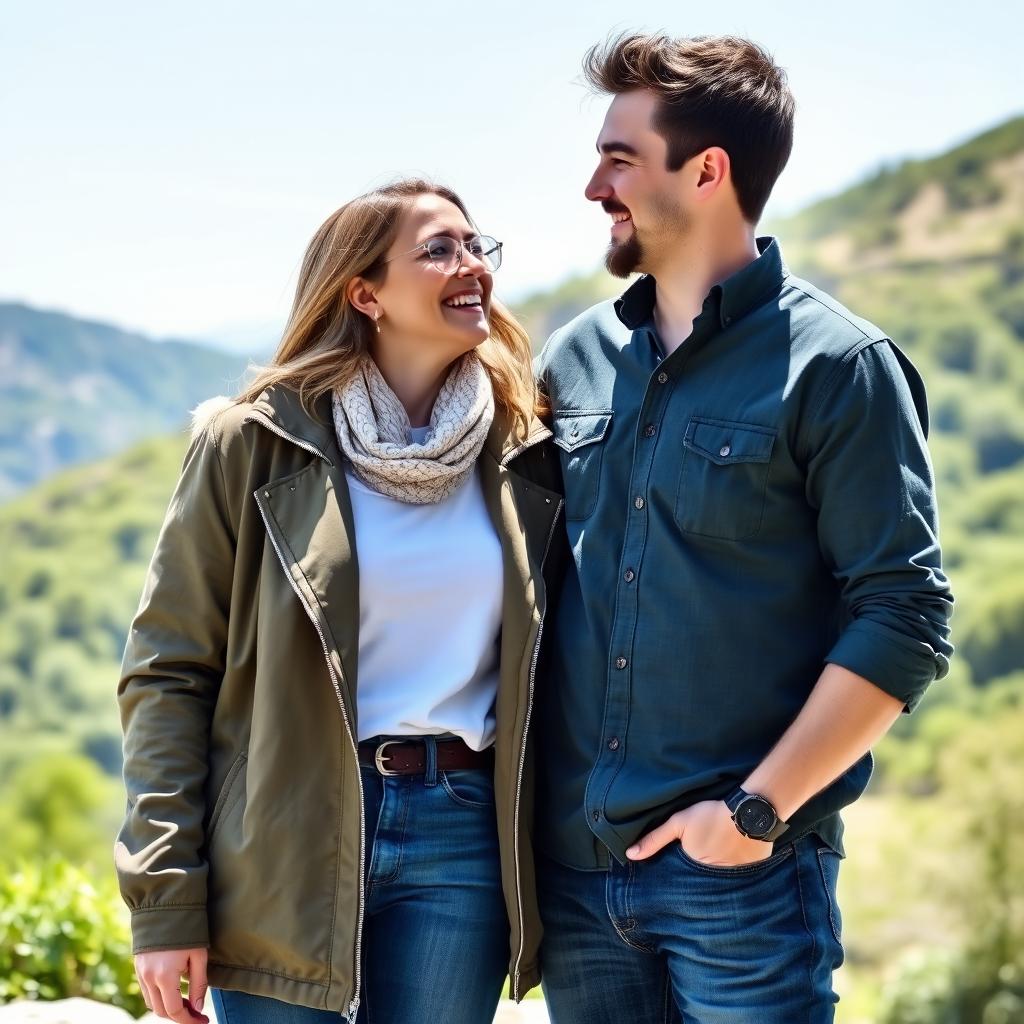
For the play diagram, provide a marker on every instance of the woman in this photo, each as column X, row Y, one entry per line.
column 327, row 688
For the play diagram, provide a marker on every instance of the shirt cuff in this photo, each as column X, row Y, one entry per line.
column 896, row 664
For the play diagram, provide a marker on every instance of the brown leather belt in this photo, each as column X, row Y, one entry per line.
column 409, row 757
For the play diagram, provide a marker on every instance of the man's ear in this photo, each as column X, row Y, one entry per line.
column 713, row 168
column 360, row 293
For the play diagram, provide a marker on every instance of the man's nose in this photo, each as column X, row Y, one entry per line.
column 597, row 190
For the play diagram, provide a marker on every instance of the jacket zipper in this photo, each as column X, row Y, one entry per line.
column 274, row 429
column 353, row 1006
column 526, row 728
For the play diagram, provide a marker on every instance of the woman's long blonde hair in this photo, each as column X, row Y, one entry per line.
column 326, row 336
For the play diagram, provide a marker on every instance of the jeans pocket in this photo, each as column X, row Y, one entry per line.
column 738, row 869
column 469, row 787
column 828, row 865
column 723, row 479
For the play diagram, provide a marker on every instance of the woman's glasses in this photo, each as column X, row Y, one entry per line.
column 445, row 254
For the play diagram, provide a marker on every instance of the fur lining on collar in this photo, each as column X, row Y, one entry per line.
column 206, row 412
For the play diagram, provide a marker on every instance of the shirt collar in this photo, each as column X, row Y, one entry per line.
column 731, row 299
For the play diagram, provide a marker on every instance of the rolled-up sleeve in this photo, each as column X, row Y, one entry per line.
column 870, row 479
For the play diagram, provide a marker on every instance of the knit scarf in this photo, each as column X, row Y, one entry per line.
column 373, row 432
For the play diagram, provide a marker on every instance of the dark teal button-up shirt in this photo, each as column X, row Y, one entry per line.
column 755, row 505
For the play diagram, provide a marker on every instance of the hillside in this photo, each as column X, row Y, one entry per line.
column 932, row 250
column 74, row 390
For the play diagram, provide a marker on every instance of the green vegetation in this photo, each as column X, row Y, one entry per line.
column 61, row 935
column 933, row 251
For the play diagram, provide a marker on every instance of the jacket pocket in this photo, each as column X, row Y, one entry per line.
column 723, row 478
column 580, row 436
column 228, row 794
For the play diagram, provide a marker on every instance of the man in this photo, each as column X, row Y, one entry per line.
column 756, row 592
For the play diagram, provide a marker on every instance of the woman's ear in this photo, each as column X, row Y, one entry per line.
column 361, row 295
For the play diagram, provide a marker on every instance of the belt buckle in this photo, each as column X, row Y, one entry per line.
column 378, row 759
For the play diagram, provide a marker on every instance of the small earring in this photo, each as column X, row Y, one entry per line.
column 376, row 321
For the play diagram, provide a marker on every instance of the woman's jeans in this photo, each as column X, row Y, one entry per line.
column 669, row 939
column 435, row 931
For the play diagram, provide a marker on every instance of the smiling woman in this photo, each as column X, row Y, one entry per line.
column 329, row 681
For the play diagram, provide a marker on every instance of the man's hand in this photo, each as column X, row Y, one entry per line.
column 706, row 833
column 160, row 973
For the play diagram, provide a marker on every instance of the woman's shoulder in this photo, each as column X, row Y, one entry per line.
column 219, row 419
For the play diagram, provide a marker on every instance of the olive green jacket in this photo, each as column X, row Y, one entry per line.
column 245, row 829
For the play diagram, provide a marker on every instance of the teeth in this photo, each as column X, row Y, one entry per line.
column 618, row 218
column 463, row 300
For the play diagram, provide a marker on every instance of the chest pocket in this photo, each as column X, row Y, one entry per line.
column 580, row 437
column 723, row 478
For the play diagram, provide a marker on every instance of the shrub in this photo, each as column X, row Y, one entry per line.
column 62, row 935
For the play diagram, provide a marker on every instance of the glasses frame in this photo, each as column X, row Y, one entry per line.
column 459, row 248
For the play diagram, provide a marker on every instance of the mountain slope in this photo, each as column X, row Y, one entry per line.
column 73, row 390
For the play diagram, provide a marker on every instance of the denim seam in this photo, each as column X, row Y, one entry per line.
column 828, row 894
column 461, row 801
column 737, row 872
column 376, row 829
column 401, row 838
column 667, row 1006
column 814, row 945
column 629, row 925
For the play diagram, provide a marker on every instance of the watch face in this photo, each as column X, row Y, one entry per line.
column 756, row 817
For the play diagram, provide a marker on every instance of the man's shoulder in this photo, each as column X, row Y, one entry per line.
column 597, row 321
column 836, row 330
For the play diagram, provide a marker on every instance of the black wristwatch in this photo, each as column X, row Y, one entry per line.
column 754, row 816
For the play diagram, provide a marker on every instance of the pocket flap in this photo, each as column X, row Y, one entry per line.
column 725, row 442
column 574, row 429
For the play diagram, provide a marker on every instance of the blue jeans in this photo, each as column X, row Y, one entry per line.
column 435, row 931
column 669, row 939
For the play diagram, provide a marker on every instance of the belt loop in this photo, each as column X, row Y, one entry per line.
column 430, row 775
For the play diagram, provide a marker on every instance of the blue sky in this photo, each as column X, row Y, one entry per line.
column 165, row 165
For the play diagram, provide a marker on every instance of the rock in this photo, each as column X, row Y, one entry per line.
column 63, row 1011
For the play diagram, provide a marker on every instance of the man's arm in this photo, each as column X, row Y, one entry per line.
column 870, row 480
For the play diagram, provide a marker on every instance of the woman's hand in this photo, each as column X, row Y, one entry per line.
column 160, row 974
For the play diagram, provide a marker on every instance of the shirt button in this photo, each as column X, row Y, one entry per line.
column 639, row 503
column 663, row 377
column 621, row 662
column 613, row 743
column 629, row 575
column 650, row 430
column 724, row 451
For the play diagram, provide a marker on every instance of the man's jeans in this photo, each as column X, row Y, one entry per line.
column 435, row 930
column 669, row 939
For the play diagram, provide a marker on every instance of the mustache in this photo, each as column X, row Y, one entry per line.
column 613, row 207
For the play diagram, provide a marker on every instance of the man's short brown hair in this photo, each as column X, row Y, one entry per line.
column 712, row 91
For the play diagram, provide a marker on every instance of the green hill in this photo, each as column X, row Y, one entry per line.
column 75, row 390
column 932, row 250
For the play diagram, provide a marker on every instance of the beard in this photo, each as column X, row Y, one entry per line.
column 633, row 256
column 623, row 258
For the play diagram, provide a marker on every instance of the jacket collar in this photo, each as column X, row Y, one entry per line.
column 280, row 406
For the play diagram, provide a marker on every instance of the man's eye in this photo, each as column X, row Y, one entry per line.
column 616, row 162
